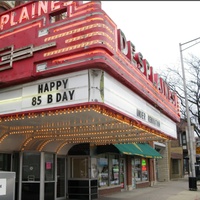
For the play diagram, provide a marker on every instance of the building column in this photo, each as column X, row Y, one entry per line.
column 163, row 165
column 129, row 172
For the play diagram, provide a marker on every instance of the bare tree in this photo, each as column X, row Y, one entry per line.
column 173, row 76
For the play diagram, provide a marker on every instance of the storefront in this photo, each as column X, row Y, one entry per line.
column 77, row 104
column 43, row 175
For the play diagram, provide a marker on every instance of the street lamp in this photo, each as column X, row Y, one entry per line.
column 190, row 135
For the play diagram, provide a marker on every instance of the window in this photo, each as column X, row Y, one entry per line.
column 49, row 167
column 57, row 16
column 5, row 162
column 137, row 169
column 114, row 169
column 108, row 168
column 175, row 166
column 144, row 170
column 103, row 169
column 31, row 167
column 184, row 139
column 79, row 167
column 140, row 169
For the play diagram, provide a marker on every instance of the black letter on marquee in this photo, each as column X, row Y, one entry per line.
column 71, row 94
column 58, row 97
column 52, row 85
column 40, row 88
column 58, row 84
column 49, row 98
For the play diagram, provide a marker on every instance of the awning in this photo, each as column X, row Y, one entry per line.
column 139, row 149
column 176, row 155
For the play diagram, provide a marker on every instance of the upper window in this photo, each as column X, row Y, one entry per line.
column 184, row 141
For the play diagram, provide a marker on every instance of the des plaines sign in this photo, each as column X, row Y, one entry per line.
column 137, row 60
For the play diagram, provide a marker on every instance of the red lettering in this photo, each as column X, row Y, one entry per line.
column 166, row 89
column 42, row 6
column 12, row 22
column 131, row 53
column 24, row 14
column 139, row 60
column 150, row 74
column 33, row 10
column 54, row 6
column 122, row 43
column 158, row 82
column 4, row 20
column 128, row 49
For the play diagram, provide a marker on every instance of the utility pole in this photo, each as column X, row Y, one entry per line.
column 190, row 131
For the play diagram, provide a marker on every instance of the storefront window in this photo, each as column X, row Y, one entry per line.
column 140, row 169
column 103, row 170
column 114, row 169
column 137, row 171
column 144, row 170
column 79, row 167
column 133, row 173
column 94, row 170
column 108, row 168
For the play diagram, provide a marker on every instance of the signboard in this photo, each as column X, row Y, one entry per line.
column 64, row 36
column 50, row 92
column 7, row 185
column 134, row 106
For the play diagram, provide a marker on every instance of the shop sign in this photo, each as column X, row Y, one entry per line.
column 30, row 11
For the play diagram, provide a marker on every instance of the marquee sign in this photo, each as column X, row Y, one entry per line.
column 67, row 36
column 62, row 90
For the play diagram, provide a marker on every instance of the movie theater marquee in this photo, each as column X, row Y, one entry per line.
column 81, row 59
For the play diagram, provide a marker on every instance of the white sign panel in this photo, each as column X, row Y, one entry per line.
column 7, row 185
column 2, row 186
column 46, row 93
column 121, row 98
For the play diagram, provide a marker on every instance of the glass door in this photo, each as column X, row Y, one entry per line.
column 31, row 176
column 49, row 180
column 61, row 181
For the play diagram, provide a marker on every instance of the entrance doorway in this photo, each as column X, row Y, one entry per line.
column 38, row 180
column 61, row 178
column 31, row 176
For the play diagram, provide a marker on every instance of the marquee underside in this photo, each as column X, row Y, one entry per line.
column 89, row 123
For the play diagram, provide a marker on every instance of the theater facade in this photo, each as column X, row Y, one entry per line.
column 80, row 108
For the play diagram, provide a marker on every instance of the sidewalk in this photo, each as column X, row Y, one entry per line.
column 172, row 190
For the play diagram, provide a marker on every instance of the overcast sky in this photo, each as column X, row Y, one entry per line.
column 157, row 27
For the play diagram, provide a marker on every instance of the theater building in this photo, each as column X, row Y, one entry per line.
column 80, row 110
